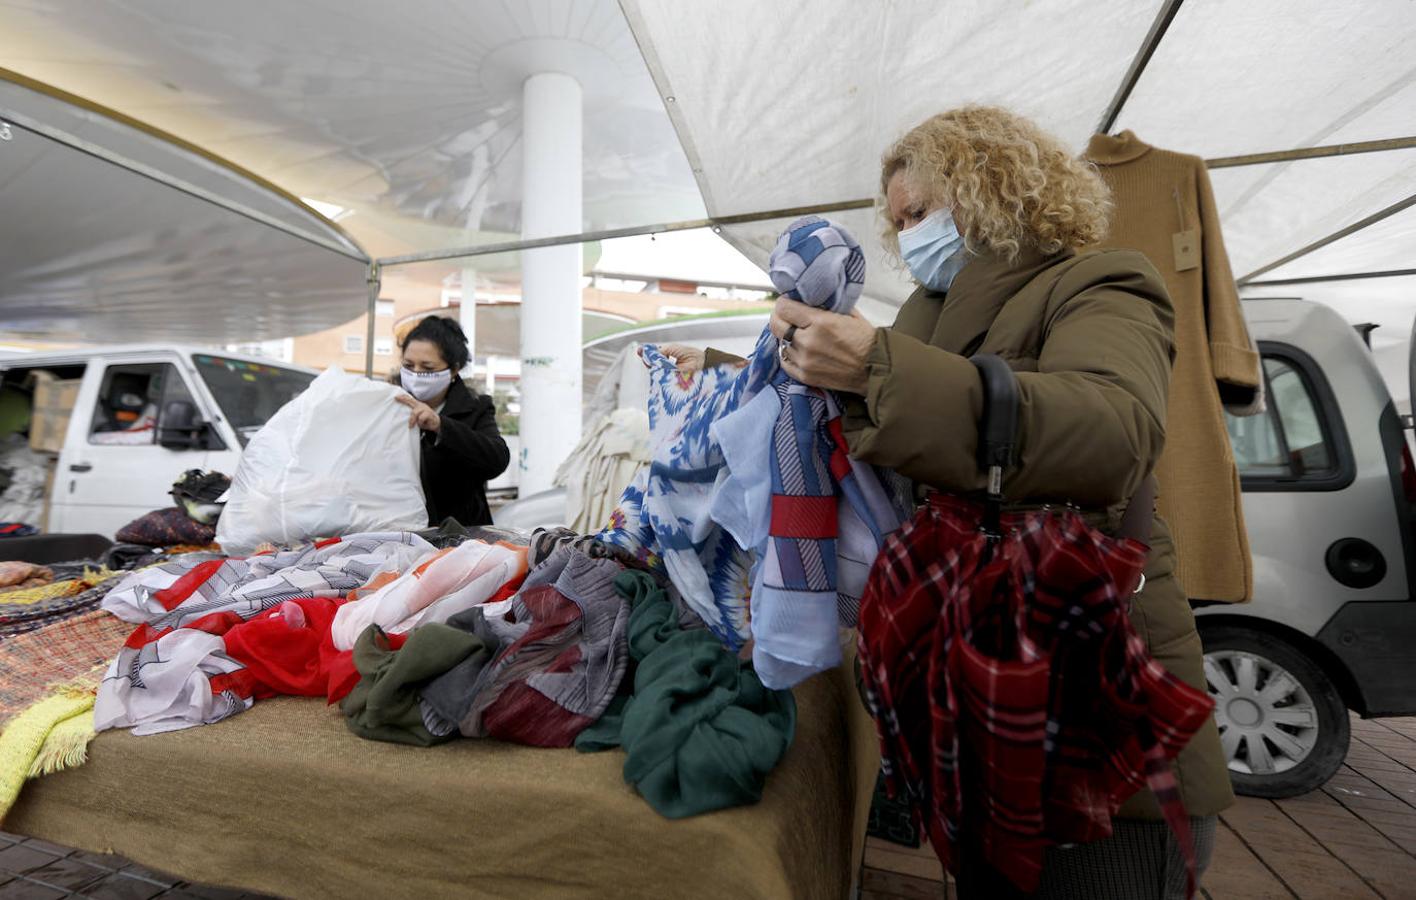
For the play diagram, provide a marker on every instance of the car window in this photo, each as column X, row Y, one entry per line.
column 1303, row 430
column 131, row 401
column 249, row 393
column 1288, row 440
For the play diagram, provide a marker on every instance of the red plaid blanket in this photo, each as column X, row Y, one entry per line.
column 1014, row 702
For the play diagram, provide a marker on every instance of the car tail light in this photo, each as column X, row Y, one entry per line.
column 1408, row 472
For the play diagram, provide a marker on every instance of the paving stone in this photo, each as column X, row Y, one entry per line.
column 119, row 886
column 47, row 847
column 1317, row 875
column 69, row 874
column 1404, row 837
column 1335, row 829
column 1392, row 872
column 1386, row 815
column 133, row 870
column 904, row 863
column 211, row 892
column 893, row 884
column 1263, row 824
column 1235, row 873
column 19, row 858
column 20, row 889
column 109, row 861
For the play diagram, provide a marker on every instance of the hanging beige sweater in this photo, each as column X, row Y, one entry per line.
column 1165, row 209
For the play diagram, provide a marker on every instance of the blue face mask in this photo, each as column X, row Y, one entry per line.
column 934, row 250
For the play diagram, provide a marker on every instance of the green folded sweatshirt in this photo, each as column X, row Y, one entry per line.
column 384, row 705
column 699, row 730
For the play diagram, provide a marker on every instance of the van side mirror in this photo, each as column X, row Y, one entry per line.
column 180, row 427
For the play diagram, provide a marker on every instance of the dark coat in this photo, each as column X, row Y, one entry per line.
column 1090, row 337
column 462, row 457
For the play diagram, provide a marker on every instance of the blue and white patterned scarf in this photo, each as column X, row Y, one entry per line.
column 739, row 505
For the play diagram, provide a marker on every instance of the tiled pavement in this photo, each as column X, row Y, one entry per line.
column 37, row 870
column 1355, row 838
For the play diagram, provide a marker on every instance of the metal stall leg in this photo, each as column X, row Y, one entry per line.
column 375, row 279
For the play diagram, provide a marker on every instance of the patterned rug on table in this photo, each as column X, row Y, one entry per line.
column 25, row 610
column 48, row 679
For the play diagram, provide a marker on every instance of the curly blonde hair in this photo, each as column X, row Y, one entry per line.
column 1009, row 184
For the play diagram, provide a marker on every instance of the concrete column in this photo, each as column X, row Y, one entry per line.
column 467, row 315
column 550, row 277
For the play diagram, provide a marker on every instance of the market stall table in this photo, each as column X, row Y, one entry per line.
column 283, row 799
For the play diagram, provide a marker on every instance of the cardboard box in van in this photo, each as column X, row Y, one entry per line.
column 54, row 400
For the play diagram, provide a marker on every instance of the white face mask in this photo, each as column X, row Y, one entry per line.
column 934, row 250
column 425, row 386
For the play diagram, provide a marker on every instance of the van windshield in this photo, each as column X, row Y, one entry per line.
column 249, row 393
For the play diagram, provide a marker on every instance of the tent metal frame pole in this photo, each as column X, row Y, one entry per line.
column 1318, row 279
column 177, row 184
column 718, row 222
column 608, row 234
column 1338, row 235
column 1163, row 18
column 1278, row 156
column 375, row 280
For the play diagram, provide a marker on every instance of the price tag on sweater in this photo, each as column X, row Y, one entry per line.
column 1187, row 249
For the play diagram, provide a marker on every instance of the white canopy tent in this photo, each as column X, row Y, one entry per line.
column 116, row 231
column 828, row 85
column 739, row 115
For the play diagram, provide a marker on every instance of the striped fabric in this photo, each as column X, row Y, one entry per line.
column 816, row 550
column 1014, row 702
column 566, row 662
column 740, row 505
column 44, row 606
column 818, row 263
column 174, row 672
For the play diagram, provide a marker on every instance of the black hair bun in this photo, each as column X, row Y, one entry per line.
column 447, row 335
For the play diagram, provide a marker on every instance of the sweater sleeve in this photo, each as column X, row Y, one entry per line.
column 475, row 444
column 1235, row 361
column 1091, row 418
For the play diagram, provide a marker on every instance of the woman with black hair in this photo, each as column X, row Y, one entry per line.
column 462, row 449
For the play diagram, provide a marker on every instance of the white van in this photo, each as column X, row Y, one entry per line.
column 142, row 416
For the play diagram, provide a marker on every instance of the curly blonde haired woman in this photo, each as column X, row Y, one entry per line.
column 991, row 215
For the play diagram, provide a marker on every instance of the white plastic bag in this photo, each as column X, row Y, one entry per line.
column 338, row 459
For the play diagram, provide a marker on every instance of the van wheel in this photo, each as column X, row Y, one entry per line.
column 1282, row 723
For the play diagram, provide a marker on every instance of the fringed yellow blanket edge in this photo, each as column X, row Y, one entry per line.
column 51, row 735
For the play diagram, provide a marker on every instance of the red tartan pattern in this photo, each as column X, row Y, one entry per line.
column 1014, row 702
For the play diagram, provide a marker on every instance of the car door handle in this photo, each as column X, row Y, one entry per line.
column 81, row 467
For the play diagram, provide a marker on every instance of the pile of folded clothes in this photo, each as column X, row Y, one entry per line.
column 555, row 640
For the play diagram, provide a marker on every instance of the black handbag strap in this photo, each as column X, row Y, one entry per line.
column 1140, row 513
column 997, row 432
column 998, row 427
column 997, row 449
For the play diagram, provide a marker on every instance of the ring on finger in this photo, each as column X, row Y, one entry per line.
column 791, row 333
column 782, row 347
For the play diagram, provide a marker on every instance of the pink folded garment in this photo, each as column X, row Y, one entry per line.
column 437, row 588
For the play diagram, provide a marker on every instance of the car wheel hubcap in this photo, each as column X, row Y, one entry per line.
column 1267, row 722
